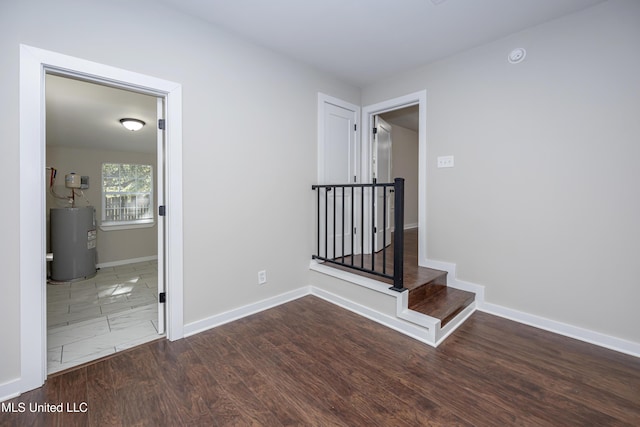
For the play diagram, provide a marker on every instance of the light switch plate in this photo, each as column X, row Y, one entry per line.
column 262, row 277
column 445, row 161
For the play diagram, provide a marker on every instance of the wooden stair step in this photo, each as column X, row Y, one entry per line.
column 427, row 287
column 419, row 292
column 416, row 277
column 443, row 303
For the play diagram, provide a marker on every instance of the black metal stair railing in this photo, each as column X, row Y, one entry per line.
column 337, row 239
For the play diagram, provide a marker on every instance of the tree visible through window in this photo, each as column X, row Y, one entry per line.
column 127, row 193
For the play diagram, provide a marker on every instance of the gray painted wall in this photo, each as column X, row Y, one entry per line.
column 542, row 207
column 243, row 107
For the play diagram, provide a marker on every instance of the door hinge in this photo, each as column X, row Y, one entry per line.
column 375, row 131
column 375, row 229
column 355, row 230
column 162, row 297
column 355, row 127
column 162, row 210
column 162, row 124
column 355, row 178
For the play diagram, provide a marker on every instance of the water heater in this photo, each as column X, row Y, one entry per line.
column 73, row 243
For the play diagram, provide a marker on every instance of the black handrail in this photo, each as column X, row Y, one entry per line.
column 349, row 190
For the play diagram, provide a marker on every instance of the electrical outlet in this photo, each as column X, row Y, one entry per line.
column 262, row 277
column 445, row 161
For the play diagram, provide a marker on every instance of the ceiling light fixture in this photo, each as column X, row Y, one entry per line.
column 132, row 124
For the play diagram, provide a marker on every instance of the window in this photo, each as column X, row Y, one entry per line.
column 127, row 195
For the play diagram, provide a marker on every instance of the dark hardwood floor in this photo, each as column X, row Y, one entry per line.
column 311, row 363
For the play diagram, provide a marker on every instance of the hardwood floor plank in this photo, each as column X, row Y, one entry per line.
column 616, row 394
column 586, row 363
column 142, row 398
column 217, row 352
column 102, row 402
column 550, row 390
column 72, row 394
column 274, row 384
column 311, row 363
column 505, row 395
column 288, row 409
column 414, row 365
column 185, row 381
column 385, row 398
column 206, row 386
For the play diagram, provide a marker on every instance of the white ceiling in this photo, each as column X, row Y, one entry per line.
column 359, row 41
column 362, row 41
column 87, row 115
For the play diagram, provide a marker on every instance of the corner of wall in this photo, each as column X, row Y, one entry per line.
column 10, row 389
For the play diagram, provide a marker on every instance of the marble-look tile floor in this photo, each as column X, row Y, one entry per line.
column 114, row 310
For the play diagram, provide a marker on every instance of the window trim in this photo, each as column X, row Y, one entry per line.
column 126, row 225
column 129, row 224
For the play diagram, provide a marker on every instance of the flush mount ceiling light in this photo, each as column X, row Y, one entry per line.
column 132, row 124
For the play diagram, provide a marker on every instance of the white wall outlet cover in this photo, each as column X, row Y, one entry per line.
column 517, row 55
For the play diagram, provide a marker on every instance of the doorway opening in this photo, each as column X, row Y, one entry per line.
column 34, row 65
column 407, row 156
column 102, row 233
column 404, row 157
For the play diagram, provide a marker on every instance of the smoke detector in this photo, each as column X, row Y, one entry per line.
column 517, row 55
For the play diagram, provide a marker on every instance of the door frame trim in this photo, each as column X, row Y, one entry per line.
column 379, row 122
column 34, row 63
column 368, row 112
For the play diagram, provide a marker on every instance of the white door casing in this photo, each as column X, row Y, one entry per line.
column 381, row 167
column 160, row 152
column 368, row 114
column 34, row 64
column 337, row 164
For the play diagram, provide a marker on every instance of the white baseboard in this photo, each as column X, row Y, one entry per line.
column 246, row 310
column 455, row 323
column 586, row 335
column 560, row 328
column 415, row 332
column 9, row 390
column 453, row 281
column 127, row 261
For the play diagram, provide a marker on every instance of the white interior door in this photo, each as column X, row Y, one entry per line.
column 160, row 186
column 337, row 156
column 382, row 173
